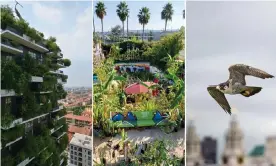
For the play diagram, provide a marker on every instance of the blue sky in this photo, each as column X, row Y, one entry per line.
column 155, row 23
column 71, row 23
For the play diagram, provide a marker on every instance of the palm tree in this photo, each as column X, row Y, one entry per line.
column 183, row 14
column 100, row 11
column 122, row 13
column 127, row 20
column 144, row 16
column 167, row 13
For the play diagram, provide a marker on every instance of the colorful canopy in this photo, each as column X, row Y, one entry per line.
column 138, row 88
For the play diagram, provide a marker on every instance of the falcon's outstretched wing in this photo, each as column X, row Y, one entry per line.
column 239, row 71
column 220, row 98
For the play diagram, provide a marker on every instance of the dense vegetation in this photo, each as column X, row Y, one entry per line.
column 29, row 102
column 109, row 93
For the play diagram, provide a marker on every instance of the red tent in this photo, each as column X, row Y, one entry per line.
column 138, row 88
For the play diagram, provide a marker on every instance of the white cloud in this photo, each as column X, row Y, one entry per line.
column 78, row 42
column 49, row 14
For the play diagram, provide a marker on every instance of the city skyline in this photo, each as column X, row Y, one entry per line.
column 218, row 41
column 155, row 23
column 69, row 22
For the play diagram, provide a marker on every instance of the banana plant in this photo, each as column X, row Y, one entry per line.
column 103, row 87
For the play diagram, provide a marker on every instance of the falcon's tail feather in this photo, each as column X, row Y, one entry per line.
column 250, row 91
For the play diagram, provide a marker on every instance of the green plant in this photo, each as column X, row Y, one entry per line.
column 11, row 134
column 100, row 12
column 143, row 17
column 66, row 62
column 12, row 76
column 122, row 12
column 167, row 13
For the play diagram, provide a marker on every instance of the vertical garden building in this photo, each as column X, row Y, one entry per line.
column 33, row 128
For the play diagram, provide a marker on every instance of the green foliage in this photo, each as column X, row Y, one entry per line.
column 13, row 77
column 171, row 44
column 7, row 17
column 66, row 62
column 167, row 13
column 100, row 10
column 78, row 110
column 11, row 134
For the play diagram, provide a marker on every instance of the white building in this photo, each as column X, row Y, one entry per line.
column 193, row 148
column 80, row 150
column 234, row 153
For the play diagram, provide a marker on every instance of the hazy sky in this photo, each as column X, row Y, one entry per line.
column 155, row 23
column 71, row 23
column 220, row 34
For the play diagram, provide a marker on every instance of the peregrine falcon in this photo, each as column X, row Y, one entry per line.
column 236, row 84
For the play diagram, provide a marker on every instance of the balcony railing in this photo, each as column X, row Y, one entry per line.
column 14, row 31
column 60, row 54
column 23, row 39
column 57, row 72
column 7, row 43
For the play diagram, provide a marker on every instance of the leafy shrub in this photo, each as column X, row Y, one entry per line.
column 66, row 62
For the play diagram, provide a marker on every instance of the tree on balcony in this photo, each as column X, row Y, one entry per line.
column 66, row 62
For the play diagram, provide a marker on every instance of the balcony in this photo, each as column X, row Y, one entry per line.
column 54, row 130
column 59, row 54
column 8, row 47
column 13, row 124
column 61, row 65
column 23, row 39
column 7, row 93
column 61, row 161
column 58, row 109
column 57, row 72
column 37, row 79
column 26, row 161
column 60, row 81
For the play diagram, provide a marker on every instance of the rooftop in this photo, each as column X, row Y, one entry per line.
column 77, row 117
column 82, row 140
column 257, row 151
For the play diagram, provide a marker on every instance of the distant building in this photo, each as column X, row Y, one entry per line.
column 80, row 150
column 209, row 150
column 193, row 150
column 264, row 155
column 81, row 130
column 234, row 153
column 78, row 120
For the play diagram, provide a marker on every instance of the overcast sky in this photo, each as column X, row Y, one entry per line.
column 220, row 34
column 71, row 23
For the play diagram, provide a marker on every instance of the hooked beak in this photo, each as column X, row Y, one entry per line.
column 217, row 87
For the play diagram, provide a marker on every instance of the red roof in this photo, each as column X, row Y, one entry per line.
column 138, row 88
column 81, row 130
column 80, row 118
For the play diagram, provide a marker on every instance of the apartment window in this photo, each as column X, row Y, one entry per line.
column 80, row 149
column 75, row 163
column 89, row 158
column 71, row 161
column 75, row 148
column 89, row 152
column 76, row 158
column 71, row 147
